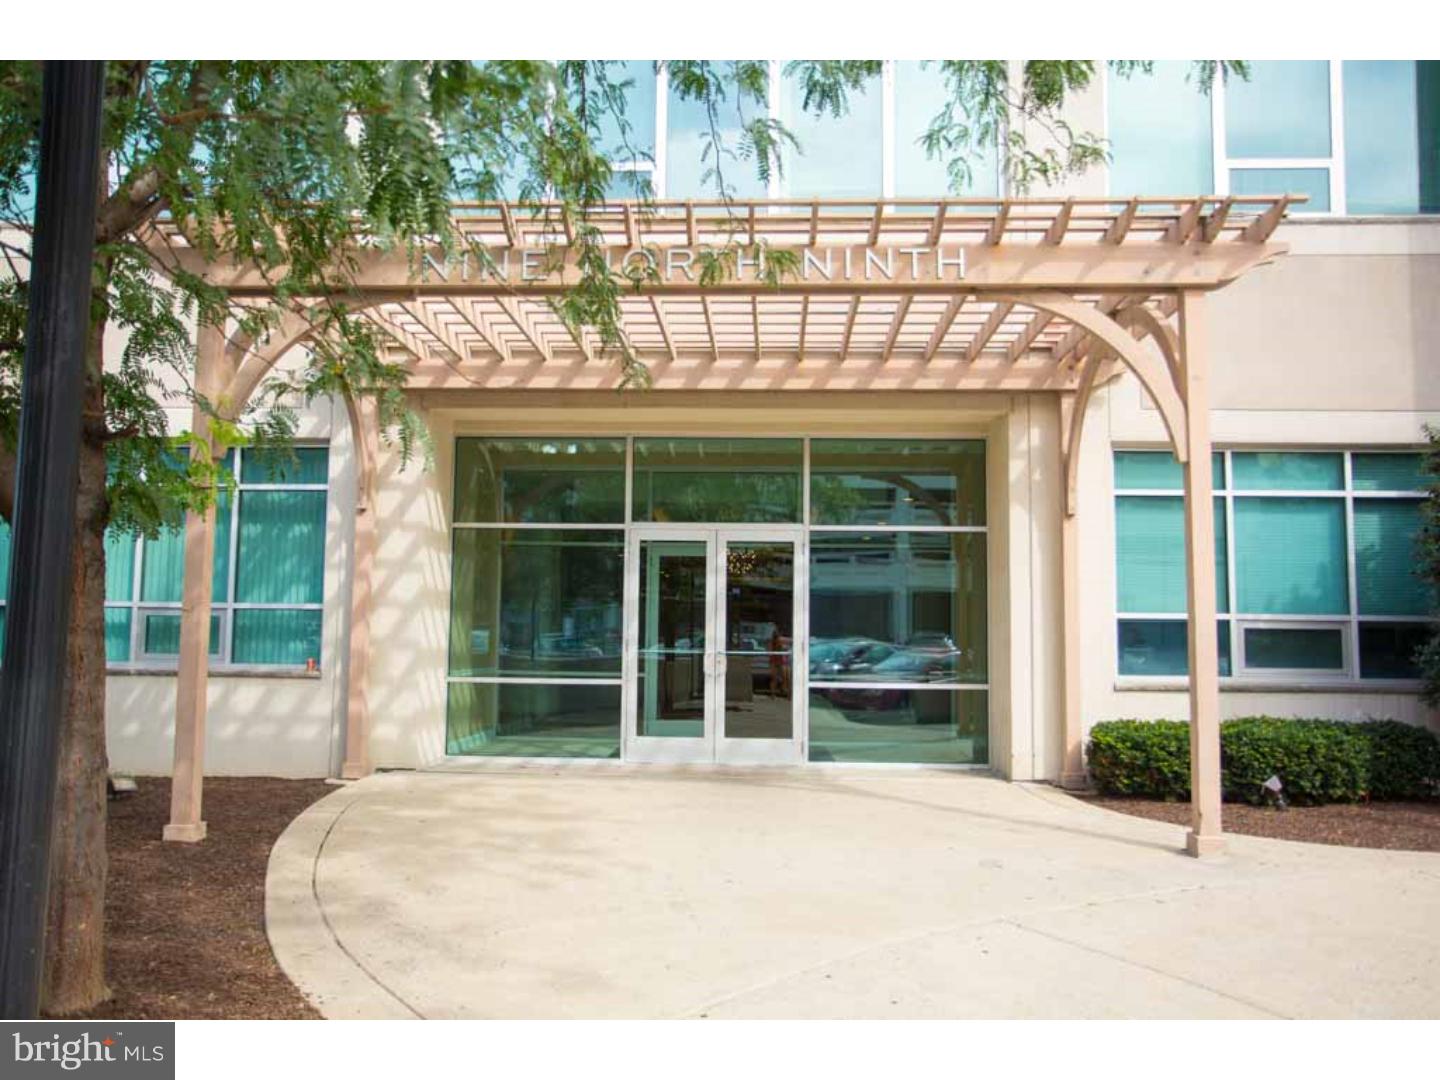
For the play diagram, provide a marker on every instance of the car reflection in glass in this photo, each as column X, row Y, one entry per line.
column 846, row 658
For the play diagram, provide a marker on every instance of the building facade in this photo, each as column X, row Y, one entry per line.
column 755, row 563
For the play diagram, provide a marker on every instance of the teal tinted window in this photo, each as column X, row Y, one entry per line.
column 537, row 481
column 529, row 720
column 281, row 550
column 897, row 482
column 1312, row 183
column 1159, row 132
column 4, row 563
column 298, row 465
column 119, row 565
column 897, row 607
column 1290, row 556
column 1295, row 648
column 1288, row 471
column 1391, row 160
column 1157, row 647
column 117, row 635
column 1150, row 555
column 160, row 634
column 636, row 141
column 538, row 602
column 1390, row 650
column 920, row 95
column 1281, row 111
column 1388, row 472
column 1157, row 470
column 900, row 724
column 1386, row 558
column 276, row 636
column 717, row 480
column 699, row 160
column 162, row 574
column 837, row 156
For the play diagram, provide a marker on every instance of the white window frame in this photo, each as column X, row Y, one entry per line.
column 140, row 660
column 1242, row 674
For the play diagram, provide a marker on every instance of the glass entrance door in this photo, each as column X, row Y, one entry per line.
column 711, row 664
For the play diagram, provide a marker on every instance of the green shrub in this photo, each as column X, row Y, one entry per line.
column 1141, row 757
column 1318, row 761
column 1404, row 759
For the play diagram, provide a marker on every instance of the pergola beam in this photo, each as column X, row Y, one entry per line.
column 947, row 319
column 522, row 323
column 896, row 323
column 998, row 315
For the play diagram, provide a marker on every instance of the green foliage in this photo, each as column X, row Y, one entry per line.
column 1141, row 757
column 292, row 168
column 1318, row 761
column 1428, row 557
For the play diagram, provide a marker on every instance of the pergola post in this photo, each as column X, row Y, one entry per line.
column 1205, row 837
column 357, row 703
column 1072, row 770
column 192, row 685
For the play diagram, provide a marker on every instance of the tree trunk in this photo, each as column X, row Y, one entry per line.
column 75, row 926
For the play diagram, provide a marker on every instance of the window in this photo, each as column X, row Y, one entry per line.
column 752, row 480
column 1159, row 132
column 1355, row 136
column 535, row 600
column 898, row 613
column 874, row 150
column 842, row 156
column 268, row 592
column 1320, row 569
column 631, row 151
column 920, row 95
column 695, row 166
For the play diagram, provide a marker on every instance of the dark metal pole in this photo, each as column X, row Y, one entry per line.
column 32, row 679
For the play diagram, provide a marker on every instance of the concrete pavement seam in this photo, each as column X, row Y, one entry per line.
column 325, row 917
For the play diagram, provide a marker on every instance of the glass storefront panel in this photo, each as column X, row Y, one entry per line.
column 759, row 639
column 533, row 720
column 897, row 482
column 540, row 481
column 670, row 672
column 899, row 724
column 897, row 607
column 542, row 602
column 717, row 480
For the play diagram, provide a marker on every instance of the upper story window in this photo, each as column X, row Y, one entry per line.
column 838, row 156
column 1355, row 137
column 875, row 149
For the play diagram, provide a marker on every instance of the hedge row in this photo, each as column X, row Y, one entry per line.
column 1318, row 761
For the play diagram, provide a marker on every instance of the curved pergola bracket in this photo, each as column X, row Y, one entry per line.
column 1142, row 318
column 1153, row 374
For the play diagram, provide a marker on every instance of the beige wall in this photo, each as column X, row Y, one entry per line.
column 265, row 724
column 413, row 565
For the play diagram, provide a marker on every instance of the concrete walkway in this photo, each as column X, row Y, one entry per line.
column 615, row 891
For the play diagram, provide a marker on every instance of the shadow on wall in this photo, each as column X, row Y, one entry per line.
column 256, row 726
column 410, row 606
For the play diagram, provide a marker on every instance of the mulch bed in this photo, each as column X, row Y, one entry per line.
column 1399, row 826
column 186, row 922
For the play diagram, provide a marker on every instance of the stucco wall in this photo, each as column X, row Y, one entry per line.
column 266, row 725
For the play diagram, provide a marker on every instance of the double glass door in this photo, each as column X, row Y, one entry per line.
column 713, row 638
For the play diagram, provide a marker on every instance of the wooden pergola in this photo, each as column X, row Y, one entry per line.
column 1015, row 295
